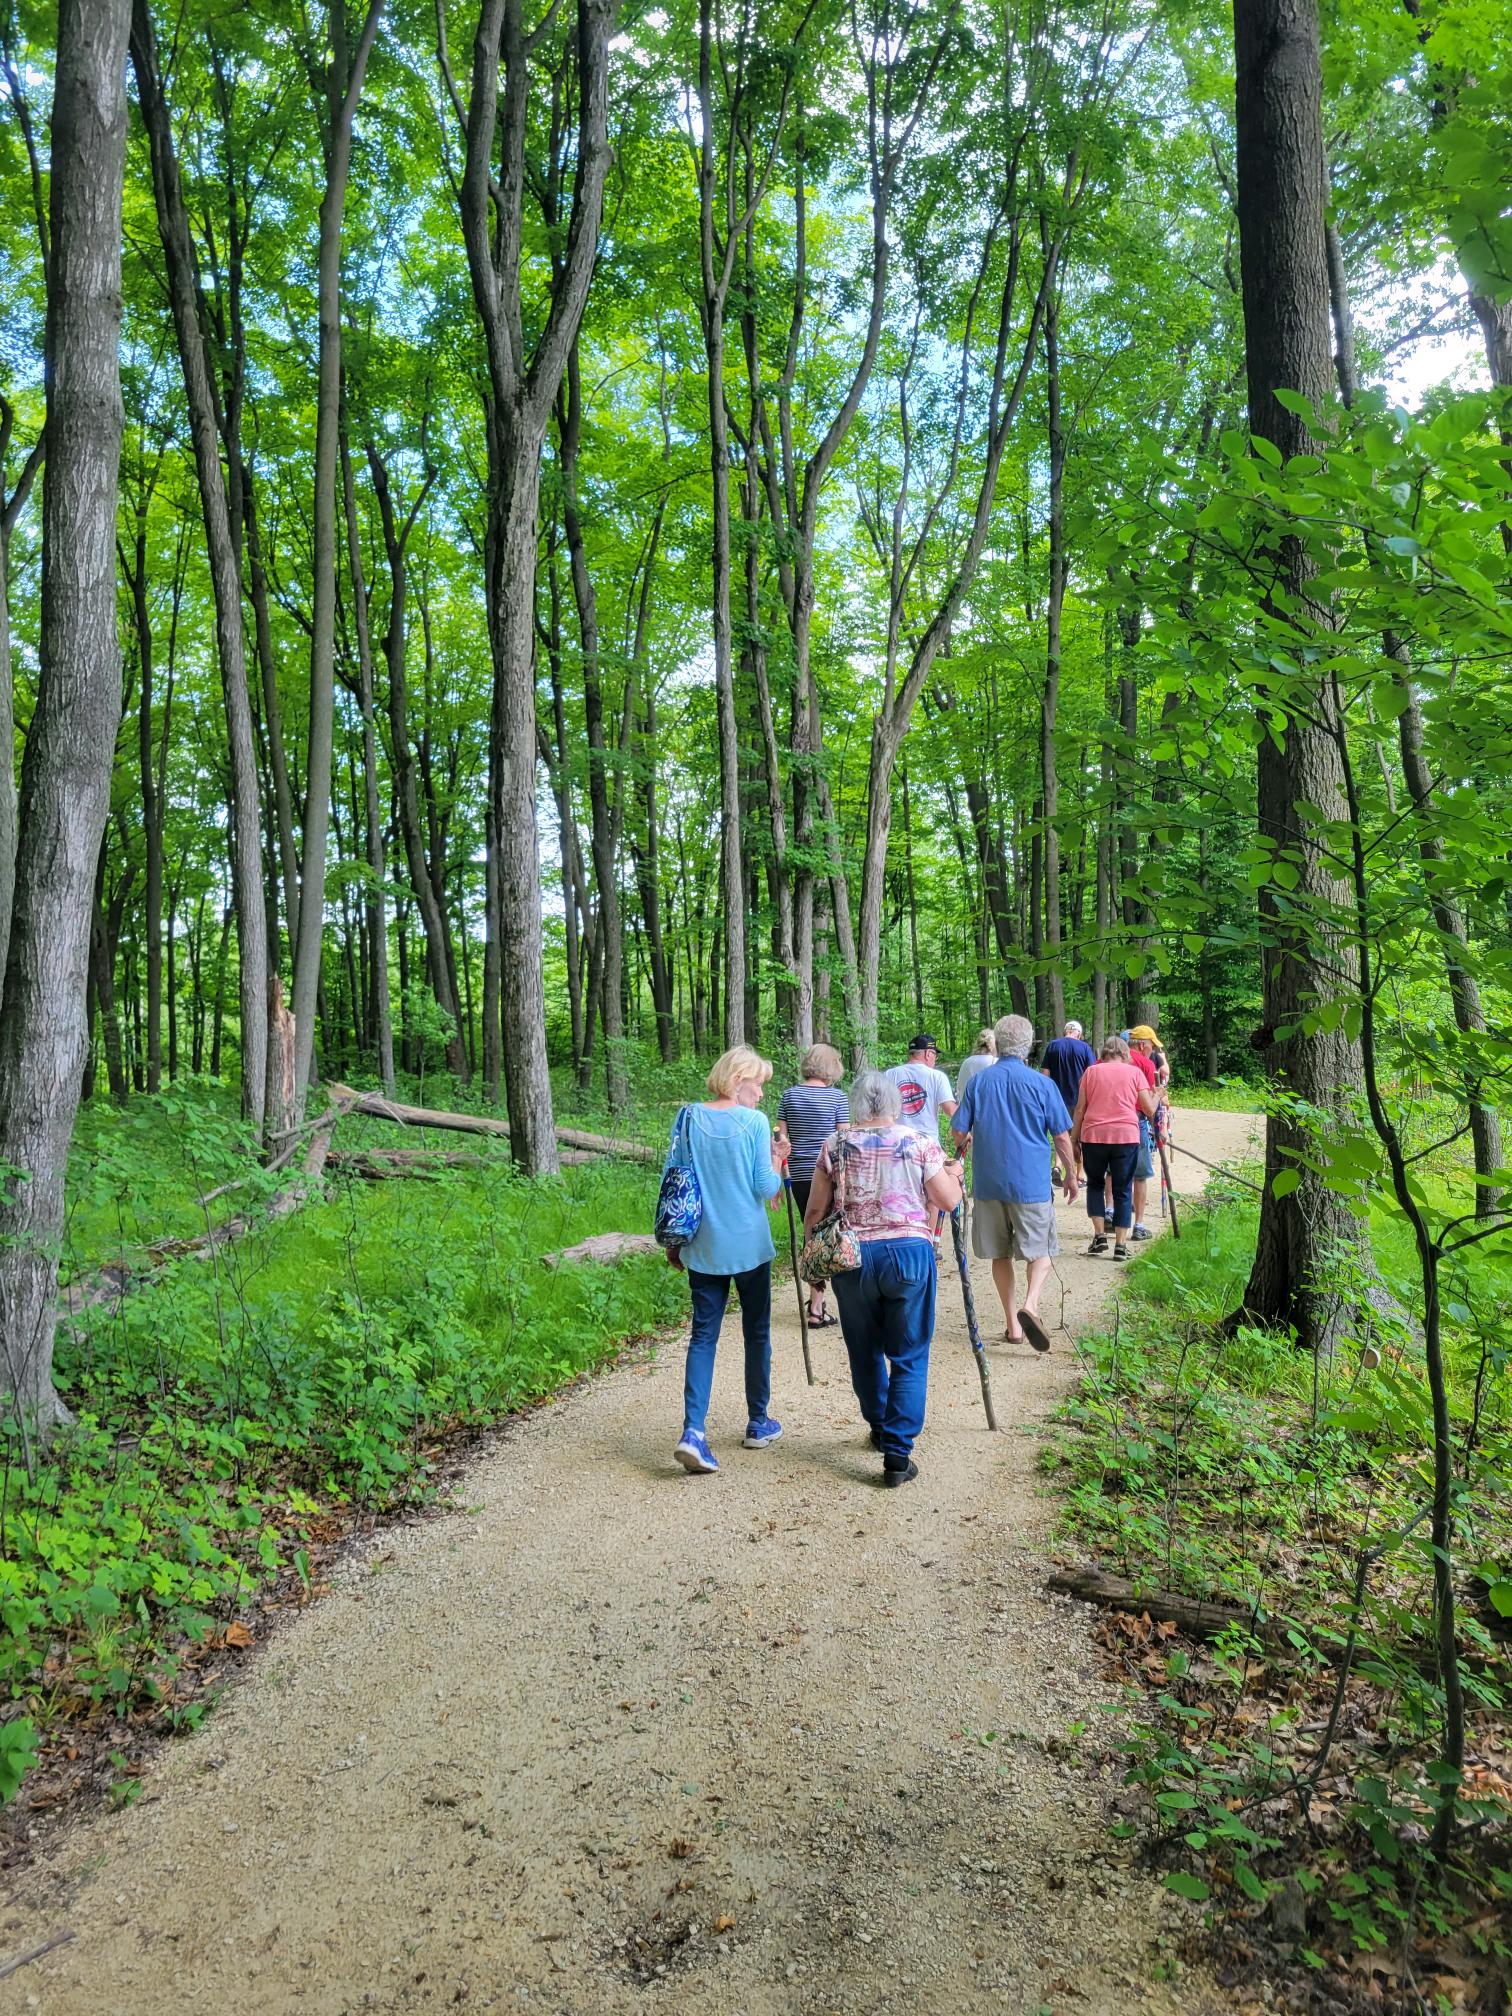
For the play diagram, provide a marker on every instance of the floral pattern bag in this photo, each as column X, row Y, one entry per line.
column 679, row 1202
column 832, row 1247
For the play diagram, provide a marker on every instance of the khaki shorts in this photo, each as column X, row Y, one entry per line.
column 1001, row 1231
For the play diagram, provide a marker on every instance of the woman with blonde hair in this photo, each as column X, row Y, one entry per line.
column 808, row 1115
column 739, row 1168
column 981, row 1059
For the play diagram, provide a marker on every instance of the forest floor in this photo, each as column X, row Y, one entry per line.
column 609, row 1738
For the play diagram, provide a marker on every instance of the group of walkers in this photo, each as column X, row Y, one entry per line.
column 873, row 1184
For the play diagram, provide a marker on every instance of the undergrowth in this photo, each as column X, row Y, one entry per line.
column 1285, row 1771
column 234, row 1410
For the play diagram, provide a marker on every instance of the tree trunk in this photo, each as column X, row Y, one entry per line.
column 70, row 748
column 1284, row 273
column 152, row 819
column 382, row 1017
column 343, row 87
column 246, row 821
column 1050, row 695
column 10, row 510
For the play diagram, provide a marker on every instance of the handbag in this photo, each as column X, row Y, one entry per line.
column 679, row 1201
column 832, row 1247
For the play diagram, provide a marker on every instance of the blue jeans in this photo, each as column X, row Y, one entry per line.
column 887, row 1308
column 710, row 1294
column 1113, row 1161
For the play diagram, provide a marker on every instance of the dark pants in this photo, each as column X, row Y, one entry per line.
column 800, row 1187
column 1113, row 1160
column 710, row 1294
column 887, row 1309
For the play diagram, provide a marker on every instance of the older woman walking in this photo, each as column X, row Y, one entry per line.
column 739, row 1167
column 1105, row 1137
column 809, row 1114
column 889, row 1180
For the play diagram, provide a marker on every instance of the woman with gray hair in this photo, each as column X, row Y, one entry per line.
column 888, row 1180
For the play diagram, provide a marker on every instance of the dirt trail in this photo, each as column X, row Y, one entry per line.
column 616, row 1739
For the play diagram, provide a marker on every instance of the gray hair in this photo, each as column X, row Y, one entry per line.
column 874, row 1099
column 1073, row 1029
column 1015, row 1035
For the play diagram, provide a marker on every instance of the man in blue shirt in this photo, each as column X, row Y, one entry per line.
column 1008, row 1116
column 1065, row 1060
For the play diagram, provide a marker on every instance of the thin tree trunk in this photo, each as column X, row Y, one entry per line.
column 343, row 87
column 70, row 747
column 1055, row 1002
column 376, row 907
column 246, row 821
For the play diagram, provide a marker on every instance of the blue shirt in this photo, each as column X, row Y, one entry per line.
column 1010, row 1112
column 1065, row 1060
column 732, row 1153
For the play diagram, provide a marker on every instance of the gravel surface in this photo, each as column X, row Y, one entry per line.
column 614, row 1739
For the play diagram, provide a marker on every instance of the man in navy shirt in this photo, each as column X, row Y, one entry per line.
column 1010, row 1115
column 1065, row 1060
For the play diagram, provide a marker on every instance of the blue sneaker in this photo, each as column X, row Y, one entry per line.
column 695, row 1455
column 759, row 1433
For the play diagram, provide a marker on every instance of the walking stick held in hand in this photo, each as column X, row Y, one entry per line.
column 1168, row 1188
column 787, row 1191
column 973, row 1331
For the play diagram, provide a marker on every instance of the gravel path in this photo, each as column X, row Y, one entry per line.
column 615, row 1739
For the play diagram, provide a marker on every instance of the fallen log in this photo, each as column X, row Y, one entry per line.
column 376, row 1107
column 1193, row 1615
column 603, row 1246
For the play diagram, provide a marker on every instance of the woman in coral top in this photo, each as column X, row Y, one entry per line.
column 1105, row 1136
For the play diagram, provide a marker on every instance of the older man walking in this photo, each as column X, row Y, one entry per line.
column 1010, row 1115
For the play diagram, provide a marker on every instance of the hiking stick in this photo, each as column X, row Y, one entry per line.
column 1219, row 1170
column 984, row 1370
column 798, row 1282
column 1167, row 1185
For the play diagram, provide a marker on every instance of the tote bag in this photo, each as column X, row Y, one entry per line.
column 679, row 1202
column 831, row 1248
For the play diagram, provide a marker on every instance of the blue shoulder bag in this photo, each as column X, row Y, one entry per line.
column 679, row 1202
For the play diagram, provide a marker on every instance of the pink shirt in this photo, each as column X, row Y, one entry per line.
column 1110, row 1101
column 879, row 1175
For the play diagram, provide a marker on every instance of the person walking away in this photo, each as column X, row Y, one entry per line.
column 984, row 1055
column 923, row 1091
column 1065, row 1059
column 739, row 1168
column 1105, row 1134
column 1008, row 1118
column 891, row 1181
column 809, row 1113
column 1141, row 1041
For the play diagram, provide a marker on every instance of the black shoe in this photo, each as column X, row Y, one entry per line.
column 1099, row 1244
column 893, row 1478
column 1120, row 1251
column 875, row 1438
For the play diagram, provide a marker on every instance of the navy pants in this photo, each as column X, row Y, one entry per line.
column 1115, row 1160
column 887, row 1310
column 710, row 1294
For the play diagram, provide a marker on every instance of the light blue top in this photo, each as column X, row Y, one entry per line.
column 732, row 1153
column 1010, row 1112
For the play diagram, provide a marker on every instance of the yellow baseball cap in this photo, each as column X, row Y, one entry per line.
column 1142, row 1033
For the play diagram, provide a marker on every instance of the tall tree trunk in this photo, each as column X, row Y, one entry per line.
column 523, row 388
column 70, row 748
column 246, row 821
column 605, row 861
column 343, row 87
column 1050, row 694
column 1284, row 275
column 374, row 898
column 10, row 510
column 152, row 820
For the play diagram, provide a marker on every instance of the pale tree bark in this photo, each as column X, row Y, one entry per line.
column 343, row 88
column 1284, row 279
column 10, row 510
column 1055, row 602
column 65, row 776
column 375, row 897
column 225, row 574
column 523, row 387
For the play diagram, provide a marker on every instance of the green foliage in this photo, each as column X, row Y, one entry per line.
column 229, row 1407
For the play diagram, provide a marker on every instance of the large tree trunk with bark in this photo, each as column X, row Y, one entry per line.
column 65, row 777
column 225, row 574
column 1284, row 274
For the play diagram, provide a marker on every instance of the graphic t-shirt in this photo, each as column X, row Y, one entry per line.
column 920, row 1089
column 879, row 1175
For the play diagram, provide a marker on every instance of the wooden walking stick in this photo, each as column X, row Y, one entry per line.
column 1168, row 1188
column 984, row 1370
column 798, row 1281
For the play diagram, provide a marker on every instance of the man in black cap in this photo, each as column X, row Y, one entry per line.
column 923, row 1092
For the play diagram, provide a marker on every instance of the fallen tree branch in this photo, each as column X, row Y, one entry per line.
column 9, row 1967
column 1193, row 1615
column 603, row 1246
column 376, row 1107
